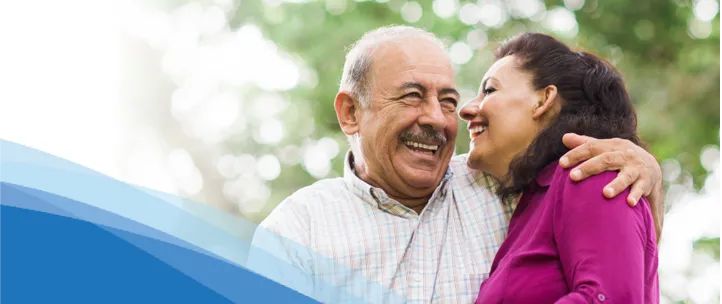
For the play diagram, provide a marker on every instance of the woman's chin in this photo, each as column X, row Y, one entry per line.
column 475, row 160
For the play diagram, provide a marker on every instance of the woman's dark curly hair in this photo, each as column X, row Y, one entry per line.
column 594, row 102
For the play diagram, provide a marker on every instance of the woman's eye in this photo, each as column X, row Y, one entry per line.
column 489, row 90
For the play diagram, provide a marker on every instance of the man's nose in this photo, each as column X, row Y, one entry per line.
column 470, row 110
column 433, row 115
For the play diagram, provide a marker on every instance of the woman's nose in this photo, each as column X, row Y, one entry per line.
column 469, row 110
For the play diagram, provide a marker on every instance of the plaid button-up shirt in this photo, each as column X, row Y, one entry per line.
column 352, row 235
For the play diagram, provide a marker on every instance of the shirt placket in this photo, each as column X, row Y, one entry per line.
column 426, row 254
column 416, row 263
column 422, row 259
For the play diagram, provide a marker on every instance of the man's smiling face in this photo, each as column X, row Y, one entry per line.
column 408, row 131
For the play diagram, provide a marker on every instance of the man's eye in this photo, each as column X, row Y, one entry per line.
column 449, row 104
column 450, row 101
column 413, row 95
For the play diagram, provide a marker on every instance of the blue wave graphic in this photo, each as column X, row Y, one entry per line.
column 71, row 234
column 52, row 258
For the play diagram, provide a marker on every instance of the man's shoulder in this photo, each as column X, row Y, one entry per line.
column 471, row 184
column 466, row 176
column 317, row 193
column 309, row 200
column 458, row 163
column 327, row 186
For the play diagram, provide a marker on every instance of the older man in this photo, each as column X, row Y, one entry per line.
column 407, row 216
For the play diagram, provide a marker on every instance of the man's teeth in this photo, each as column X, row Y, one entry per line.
column 422, row 146
column 477, row 129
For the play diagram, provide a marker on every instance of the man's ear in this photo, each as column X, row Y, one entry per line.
column 546, row 104
column 347, row 112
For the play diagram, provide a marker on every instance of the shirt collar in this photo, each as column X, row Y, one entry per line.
column 358, row 187
column 377, row 196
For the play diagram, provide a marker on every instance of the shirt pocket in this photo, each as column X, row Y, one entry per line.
column 474, row 258
column 473, row 268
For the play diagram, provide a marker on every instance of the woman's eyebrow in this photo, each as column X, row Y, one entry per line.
column 483, row 83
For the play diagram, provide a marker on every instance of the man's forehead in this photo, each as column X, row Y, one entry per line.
column 402, row 63
column 417, row 52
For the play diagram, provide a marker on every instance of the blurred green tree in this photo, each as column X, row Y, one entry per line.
column 670, row 61
column 667, row 50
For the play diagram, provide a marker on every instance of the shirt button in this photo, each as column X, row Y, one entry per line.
column 601, row 297
column 416, row 277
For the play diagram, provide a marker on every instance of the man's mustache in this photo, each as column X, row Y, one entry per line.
column 427, row 135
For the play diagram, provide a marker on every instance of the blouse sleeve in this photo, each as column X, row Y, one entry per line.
column 601, row 242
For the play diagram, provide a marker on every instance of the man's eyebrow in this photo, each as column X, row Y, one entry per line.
column 420, row 87
column 413, row 85
column 451, row 91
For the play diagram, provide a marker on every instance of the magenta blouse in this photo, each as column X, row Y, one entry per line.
column 567, row 243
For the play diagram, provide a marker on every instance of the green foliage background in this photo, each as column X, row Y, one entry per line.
column 671, row 70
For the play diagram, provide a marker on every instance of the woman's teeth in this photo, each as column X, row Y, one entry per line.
column 477, row 130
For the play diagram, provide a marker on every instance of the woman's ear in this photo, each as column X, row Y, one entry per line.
column 547, row 99
column 347, row 112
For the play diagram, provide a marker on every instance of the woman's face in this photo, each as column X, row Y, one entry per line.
column 505, row 117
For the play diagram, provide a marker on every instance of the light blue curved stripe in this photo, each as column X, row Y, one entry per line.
column 213, row 229
column 169, row 214
column 130, row 203
column 59, row 206
column 222, row 277
column 102, row 219
column 320, row 290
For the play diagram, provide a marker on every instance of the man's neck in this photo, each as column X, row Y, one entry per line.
column 414, row 203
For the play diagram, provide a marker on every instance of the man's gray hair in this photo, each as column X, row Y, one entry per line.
column 356, row 76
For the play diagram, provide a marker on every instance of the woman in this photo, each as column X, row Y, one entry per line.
column 566, row 242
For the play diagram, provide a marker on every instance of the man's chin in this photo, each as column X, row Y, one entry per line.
column 422, row 179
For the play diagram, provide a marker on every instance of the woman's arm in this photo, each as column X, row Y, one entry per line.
column 601, row 242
